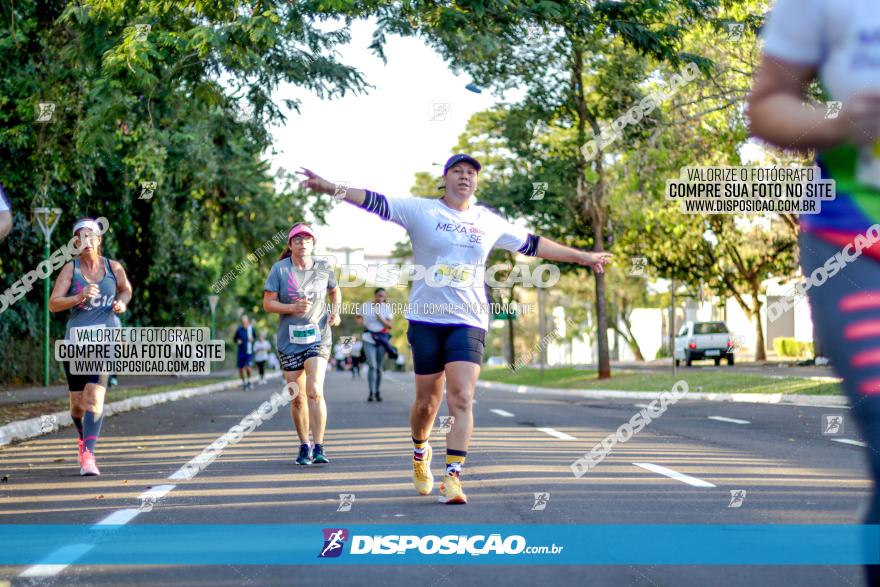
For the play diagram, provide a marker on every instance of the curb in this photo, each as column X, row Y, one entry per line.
column 831, row 401
column 33, row 427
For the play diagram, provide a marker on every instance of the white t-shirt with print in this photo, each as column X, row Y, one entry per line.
column 372, row 312
column 840, row 37
column 262, row 348
column 453, row 247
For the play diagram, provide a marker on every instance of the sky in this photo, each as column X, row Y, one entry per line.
column 380, row 139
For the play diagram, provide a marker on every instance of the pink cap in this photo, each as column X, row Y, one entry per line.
column 300, row 229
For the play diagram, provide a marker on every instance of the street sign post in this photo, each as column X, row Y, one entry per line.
column 212, row 300
column 47, row 219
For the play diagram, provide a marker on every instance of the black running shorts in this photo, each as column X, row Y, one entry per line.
column 297, row 361
column 78, row 382
column 434, row 345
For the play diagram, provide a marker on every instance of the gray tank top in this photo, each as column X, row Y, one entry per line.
column 99, row 310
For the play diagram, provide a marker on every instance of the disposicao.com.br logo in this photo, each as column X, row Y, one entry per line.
column 476, row 545
column 334, row 541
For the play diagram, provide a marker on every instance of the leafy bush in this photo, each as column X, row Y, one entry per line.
column 789, row 347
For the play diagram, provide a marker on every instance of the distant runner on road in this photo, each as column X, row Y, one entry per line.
column 451, row 234
column 376, row 320
column 244, row 338
column 262, row 348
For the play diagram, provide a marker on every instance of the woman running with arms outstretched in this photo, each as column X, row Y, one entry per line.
column 447, row 345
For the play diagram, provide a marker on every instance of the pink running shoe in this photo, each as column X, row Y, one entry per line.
column 88, row 464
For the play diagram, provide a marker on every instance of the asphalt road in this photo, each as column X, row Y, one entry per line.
column 791, row 473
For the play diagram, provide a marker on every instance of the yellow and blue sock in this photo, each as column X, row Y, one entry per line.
column 455, row 461
column 419, row 448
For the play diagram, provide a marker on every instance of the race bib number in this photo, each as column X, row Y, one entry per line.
column 455, row 274
column 304, row 333
column 868, row 169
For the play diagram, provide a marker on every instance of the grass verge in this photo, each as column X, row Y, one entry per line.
column 710, row 381
column 24, row 411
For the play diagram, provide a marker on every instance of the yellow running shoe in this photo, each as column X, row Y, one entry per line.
column 422, row 477
column 450, row 490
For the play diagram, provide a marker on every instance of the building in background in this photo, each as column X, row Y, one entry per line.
column 650, row 327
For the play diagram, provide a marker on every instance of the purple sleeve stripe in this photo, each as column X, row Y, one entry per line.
column 377, row 204
column 530, row 248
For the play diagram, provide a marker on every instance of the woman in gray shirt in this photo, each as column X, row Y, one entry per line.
column 95, row 290
column 296, row 289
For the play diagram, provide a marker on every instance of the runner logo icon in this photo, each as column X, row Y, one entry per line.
column 334, row 540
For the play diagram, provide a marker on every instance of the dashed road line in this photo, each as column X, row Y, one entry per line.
column 848, row 441
column 557, row 434
column 674, row 475
column 502, row 413
column 731, row 420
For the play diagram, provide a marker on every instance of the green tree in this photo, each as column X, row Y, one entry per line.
column 704, row 125
column 154, row 91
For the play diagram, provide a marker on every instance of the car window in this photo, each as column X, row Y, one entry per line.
column 683, row 331
column 710, row 328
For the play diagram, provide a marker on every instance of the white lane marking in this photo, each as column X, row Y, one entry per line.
column 502, row 413
column 119, row 517
column 76, row 551
column 182, row 473
column 674, row 475
column 642, row 405
column 157, row 492
column 557, row 434
column 71, row 551
column 731, row 420
column 848, row 441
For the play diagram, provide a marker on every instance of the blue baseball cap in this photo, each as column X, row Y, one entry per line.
column 458, row 159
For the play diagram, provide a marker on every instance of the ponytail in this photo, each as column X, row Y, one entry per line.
column 285, row 253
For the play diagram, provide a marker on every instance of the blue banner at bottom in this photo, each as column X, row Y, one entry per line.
column 277, row 544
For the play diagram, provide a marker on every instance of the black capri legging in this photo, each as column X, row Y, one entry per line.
column 846, row 312
column 434, row 345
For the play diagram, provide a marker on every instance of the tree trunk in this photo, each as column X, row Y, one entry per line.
column 627, row 334
column 593, row 208
column 510, row 333
column 632, row 343
column 760, row 353
column 817, row 342
column 602, row 324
